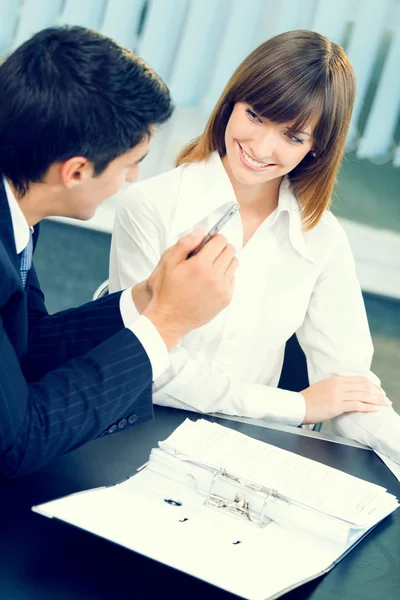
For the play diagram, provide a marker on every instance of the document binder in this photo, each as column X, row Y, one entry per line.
column 259, row 505
column 240, row 507
column 186, row 512
column 250, row 502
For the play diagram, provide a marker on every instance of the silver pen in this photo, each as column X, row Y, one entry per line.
column 233, row 209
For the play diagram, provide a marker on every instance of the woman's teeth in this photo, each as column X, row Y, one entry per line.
column 253, row 162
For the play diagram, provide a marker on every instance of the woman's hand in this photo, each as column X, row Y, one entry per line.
column 337, row 395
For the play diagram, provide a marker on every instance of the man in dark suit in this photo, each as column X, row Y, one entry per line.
column 77, row 113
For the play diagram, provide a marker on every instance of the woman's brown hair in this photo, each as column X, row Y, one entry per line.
column 294, row 76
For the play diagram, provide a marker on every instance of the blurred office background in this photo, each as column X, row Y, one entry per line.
column 195, row 45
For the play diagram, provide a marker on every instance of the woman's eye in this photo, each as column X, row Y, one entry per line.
column 294, row 139
column 253, row 116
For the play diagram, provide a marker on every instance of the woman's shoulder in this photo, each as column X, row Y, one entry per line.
column 329, row 225
column 151, row 189
column 158, row 193
column 326, row 236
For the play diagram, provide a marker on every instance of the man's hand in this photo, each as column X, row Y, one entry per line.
column 186, row 294
column 141, row 296
column 332, row 397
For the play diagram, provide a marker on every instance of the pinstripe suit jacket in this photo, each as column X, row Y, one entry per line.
column 66, row 378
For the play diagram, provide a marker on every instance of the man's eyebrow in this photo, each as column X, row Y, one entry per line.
column 141, row 159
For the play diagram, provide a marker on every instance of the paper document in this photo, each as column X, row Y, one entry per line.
column 303, row 480
column 209, row 503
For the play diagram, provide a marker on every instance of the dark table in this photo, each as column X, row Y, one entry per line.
column 44, row 559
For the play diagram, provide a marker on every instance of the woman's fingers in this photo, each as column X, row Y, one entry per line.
column 336, row 395
column 360, row 407
column 359, row 381
column 367, row 398
column 361, row 389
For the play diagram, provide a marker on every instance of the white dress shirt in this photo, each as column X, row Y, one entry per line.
column 287, row 281
column 144, row 330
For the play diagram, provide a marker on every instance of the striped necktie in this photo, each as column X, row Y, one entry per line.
column 26, row 260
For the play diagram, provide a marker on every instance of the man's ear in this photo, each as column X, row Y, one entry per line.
column 75, row 171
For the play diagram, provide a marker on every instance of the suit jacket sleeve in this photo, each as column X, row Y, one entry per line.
column 72, row 404
column 55, row 339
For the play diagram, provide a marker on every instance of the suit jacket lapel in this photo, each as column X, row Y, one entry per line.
column 13, row 299
column 6, row 228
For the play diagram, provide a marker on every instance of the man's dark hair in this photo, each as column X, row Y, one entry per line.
column 69, row 91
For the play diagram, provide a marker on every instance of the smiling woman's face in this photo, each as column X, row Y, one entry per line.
column 259, row 150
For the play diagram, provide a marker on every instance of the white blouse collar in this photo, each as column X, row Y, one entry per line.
column 205, row 187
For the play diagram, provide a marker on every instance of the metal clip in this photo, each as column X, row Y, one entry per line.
column 242, row 504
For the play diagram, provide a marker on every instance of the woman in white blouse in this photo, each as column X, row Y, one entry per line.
column 273, row 144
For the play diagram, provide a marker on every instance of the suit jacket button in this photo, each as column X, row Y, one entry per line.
column 132, row 419
column 112, row 428
column 122, row 423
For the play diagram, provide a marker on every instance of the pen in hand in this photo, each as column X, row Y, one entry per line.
column 233, row 209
